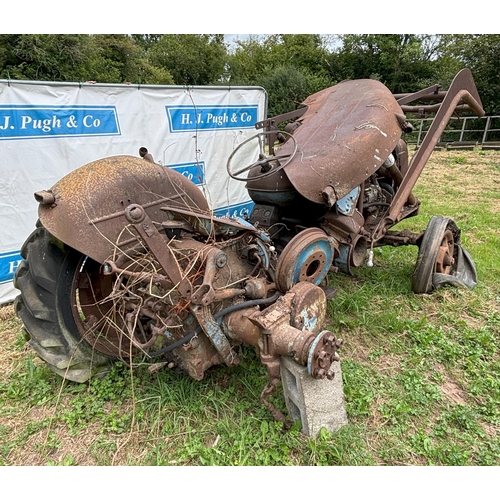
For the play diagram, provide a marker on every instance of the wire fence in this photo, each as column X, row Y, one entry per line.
column 465, row 130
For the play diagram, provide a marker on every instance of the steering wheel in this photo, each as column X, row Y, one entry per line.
column 263, row 161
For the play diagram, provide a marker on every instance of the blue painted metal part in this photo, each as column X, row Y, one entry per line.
column 312, row 349
column 347, row 204
column 324, row 246
column 262, row 236
column 212, row 329
column 342, row 261
column 310, row 321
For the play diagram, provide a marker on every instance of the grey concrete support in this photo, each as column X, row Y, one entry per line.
column 317, row 403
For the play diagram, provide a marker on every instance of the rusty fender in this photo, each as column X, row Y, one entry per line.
column 86, row 208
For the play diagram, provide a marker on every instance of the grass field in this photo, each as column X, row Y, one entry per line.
column 421, row 373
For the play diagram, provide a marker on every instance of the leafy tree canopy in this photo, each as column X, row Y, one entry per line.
column 403, row 63
column 288, row 66
column 479, row 53
column 190, row 59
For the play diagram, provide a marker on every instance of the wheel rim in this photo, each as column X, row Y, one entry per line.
column 444, row 258
column 436, row 253
column 100, row 304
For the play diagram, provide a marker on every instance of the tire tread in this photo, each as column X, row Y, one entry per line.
column 38, row 306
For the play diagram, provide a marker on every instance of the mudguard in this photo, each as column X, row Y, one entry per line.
column 346, row 134
column 86, row 208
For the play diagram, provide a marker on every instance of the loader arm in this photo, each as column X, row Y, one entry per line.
column 462, row 89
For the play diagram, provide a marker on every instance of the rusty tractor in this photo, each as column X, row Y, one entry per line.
column 128, row 263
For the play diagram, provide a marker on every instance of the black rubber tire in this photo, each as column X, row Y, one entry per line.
column 438, row 229
column 45, row 280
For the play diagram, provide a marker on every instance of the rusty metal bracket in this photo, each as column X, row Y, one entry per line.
column 271, row 125
column 214, row 260
column 213, row 331
column 136, row 215
column 429, row 92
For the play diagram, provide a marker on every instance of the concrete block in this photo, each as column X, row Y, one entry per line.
column 317, row 403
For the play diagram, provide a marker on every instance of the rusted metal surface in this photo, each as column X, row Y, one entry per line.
column 351, row 175
column 157, row 278
column 346, row 134
column 307, row 257
column 90, row 202
column 137, row 216
column 214, row 332
column 463, row 89
column 290, row 327
column 444, row 259
column 135, row 303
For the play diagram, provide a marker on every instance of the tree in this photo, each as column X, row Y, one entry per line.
column 481, row 54
column 115, row 59
column 249, row 60
column 287, row 86
column 45, row 57
column 70, row 58
column 190, row 59
column 306, row 52
column 255, row 56
column 403, row 63
column 289, row 67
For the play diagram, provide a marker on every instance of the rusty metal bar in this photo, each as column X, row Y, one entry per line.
column 428, row 93
column 422, row 109
column 271, row 125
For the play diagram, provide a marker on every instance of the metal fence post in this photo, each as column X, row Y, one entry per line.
column 488, row 121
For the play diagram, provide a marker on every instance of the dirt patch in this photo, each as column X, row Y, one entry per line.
column 57, row 446
column 453, row 392
column 451, row 389
column 7, row 312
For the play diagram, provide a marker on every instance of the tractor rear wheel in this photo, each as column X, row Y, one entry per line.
column 47, row 306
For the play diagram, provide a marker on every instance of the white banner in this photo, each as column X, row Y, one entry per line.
column 49, row 129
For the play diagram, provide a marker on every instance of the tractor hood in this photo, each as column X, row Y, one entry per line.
column 346, row 134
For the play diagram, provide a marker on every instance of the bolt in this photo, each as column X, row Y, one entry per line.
column 221, row 260
column 328, row 339
column 323, row 359
column 135, row 213
column 448, row 260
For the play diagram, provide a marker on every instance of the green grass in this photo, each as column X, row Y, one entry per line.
column 421, row 373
